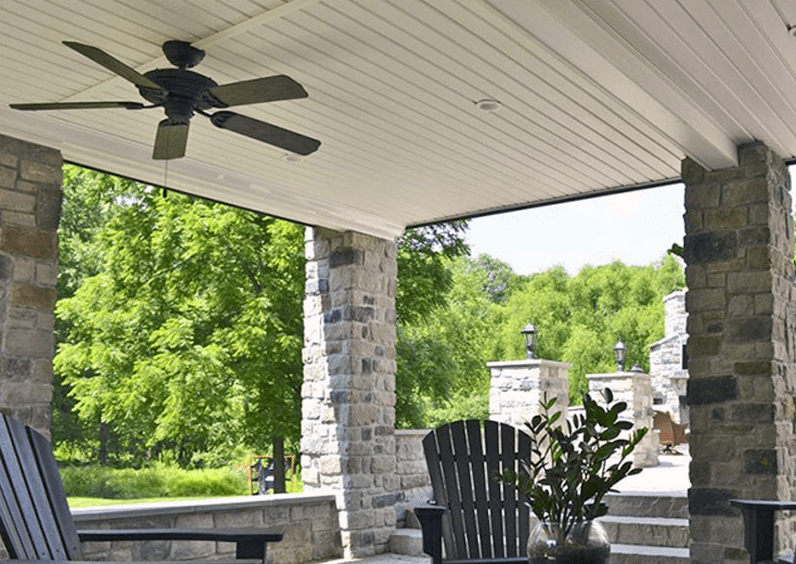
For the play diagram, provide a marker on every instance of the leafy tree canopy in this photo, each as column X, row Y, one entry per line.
column 190, row 329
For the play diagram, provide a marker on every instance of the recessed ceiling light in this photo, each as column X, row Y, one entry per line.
column 792, row 30
column 291, row 158
column 488, row 105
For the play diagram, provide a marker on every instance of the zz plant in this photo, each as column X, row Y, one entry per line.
column 573, row 464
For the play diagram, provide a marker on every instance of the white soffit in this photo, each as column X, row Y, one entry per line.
column 596, row 96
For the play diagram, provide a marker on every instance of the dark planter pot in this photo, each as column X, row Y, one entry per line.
column 586, row 543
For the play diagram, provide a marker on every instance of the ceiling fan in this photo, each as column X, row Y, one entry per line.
column 182, row 93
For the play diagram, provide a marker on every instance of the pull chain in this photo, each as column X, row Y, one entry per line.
column 165, row 176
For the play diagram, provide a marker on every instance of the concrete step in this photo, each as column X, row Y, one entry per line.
column 408, row 542
column 647, row 505
column 653, row 531
column 642, row 554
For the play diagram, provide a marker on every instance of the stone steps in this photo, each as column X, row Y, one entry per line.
column 651, row 531
column 648, row 528
column 643, row 528
column 641, row 554
column 648, row 505
column 408, row 542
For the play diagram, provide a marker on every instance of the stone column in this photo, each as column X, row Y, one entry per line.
column 635, row 389
column 739, row 255
column 518, row 386
column 348, row 396
column 30, row 208
column 667, row 363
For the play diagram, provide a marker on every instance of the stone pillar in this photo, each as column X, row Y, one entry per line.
column 517, row 388
column 30, row 208
column 635, row 389
column 348, row 396
column 668, row 366
column 739, row 255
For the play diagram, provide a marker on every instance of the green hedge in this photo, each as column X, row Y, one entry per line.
column 157, row 481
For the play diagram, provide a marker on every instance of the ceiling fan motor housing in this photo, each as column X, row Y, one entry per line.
column 183, row 91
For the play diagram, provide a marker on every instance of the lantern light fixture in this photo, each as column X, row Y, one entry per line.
column 619, row 351
column 529, row 332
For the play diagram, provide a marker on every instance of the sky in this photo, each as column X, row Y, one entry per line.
column 635, row 227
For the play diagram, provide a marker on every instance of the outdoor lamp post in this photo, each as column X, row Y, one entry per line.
column 619, row 350
column 529, row 332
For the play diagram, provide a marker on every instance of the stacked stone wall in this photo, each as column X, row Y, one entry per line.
column 414, row 482
column 348, row 396
column 30, row 207
column 740, row 276
column 669, row 378
column 309, row 522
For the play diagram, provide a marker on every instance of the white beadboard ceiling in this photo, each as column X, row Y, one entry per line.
column 597, row 96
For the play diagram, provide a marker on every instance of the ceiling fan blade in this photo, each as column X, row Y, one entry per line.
column 268, row 89
column 170, row 140
column 265, row 132
column 112, row 64
column 77, row 106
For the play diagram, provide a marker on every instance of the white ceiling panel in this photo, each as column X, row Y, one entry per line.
column 597, row 96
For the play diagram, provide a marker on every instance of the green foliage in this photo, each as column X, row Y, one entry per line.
column 574, row 464
column 581, row 318
column 424, row 278
column 158, row 481
column 441, row 357
column 187, row 333
column 441, row 369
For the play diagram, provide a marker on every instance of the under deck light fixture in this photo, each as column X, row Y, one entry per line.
column 619, row 350
column 488, row 105
column 529, row 332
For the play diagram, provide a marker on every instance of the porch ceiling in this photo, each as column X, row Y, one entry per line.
column 597, row 95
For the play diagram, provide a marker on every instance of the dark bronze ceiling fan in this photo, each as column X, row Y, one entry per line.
column 182, row 93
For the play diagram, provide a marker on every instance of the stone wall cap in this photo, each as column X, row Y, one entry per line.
column 614, row 375
column 412, row 432
column 196, row 505
column 527, row 362
column 675, row 294
column 663, row 341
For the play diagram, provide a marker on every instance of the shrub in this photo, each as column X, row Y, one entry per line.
column 156, row 481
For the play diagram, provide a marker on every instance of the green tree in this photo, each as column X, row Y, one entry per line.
column 88, row 204
column 182, row 321
column 580, row 318
column 190, row 330
column 441, row 372
column 425, row 359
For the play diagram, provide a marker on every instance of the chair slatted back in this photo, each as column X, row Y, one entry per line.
column 35, row 522
column 486, row 518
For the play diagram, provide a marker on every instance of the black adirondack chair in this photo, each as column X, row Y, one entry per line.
column 758, row 518
column 35, row 521
column 480, row 518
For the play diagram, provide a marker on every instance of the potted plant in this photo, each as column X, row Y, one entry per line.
column 572, row 465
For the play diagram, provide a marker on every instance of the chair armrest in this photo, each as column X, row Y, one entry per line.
column 430, row 517
column 251, row 543
column 758, row 519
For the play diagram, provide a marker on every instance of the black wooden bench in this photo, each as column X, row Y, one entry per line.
column 758, row 518
column 35, row 521
column 480, row 518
